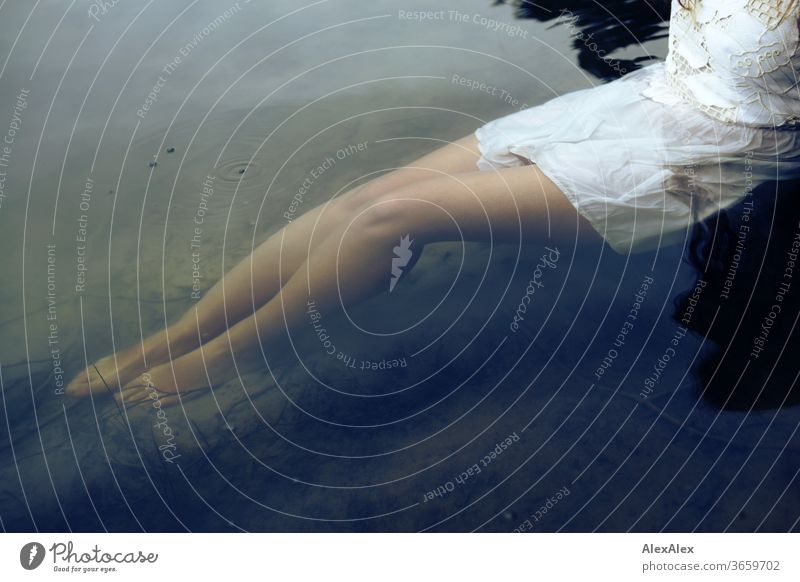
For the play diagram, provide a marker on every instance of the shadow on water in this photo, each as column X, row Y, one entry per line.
column 752, row 329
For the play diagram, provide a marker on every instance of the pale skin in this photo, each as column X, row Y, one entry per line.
column 338, row 253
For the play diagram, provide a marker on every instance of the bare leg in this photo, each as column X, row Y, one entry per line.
column 512, row 205
column 244, row 288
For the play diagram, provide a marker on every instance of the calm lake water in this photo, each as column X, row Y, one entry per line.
column 115, row 119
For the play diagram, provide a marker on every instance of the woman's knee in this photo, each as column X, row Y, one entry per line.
column 393, row 215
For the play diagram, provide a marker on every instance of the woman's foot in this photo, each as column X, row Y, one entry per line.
column 168, row 383
column 145, row 387
column 118, row 369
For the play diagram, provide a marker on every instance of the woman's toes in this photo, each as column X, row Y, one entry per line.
column 170, row 399
column 79, row 385
column 85, row 383
column 132, row 394
column 143, row 388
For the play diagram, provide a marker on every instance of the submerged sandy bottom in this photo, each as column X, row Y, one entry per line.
column 311, row 442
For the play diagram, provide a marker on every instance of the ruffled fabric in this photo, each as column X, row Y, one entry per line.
column 635, row 159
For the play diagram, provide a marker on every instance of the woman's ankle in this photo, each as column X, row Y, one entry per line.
column 176, row 341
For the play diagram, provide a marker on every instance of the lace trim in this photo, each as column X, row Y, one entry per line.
column 726, row 114
column 768, row 56
column 771, row 13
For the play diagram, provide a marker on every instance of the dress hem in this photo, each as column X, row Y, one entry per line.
column 597, row 221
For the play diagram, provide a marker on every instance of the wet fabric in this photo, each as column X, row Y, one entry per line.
column 641, row 170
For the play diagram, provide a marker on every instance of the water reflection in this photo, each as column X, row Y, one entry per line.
column 608, row 26
column 750, row 327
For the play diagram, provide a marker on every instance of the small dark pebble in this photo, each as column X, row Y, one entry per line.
column 242, row 170
column 153, row 164
column 170, row 150
column 110, row 191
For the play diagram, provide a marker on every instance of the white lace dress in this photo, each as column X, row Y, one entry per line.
column 697, row 132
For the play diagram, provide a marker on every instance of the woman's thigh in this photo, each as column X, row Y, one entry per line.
column 459, row 156
column 511, row 205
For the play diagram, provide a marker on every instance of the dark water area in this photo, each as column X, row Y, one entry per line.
column 603, row 29
column 468, row 399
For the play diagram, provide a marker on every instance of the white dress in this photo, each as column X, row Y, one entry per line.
column 645, row 156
